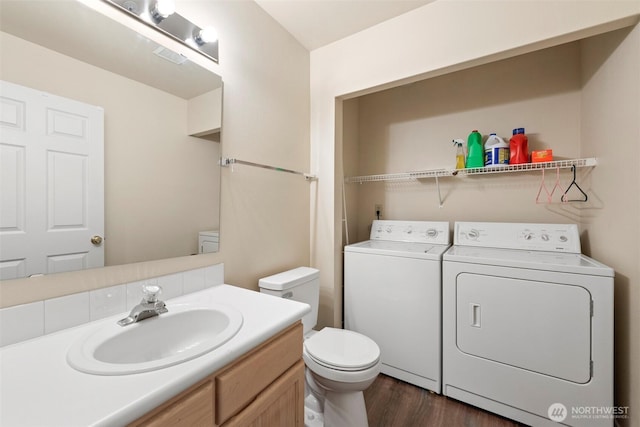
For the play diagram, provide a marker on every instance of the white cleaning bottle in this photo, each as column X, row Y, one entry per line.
column 496, row 151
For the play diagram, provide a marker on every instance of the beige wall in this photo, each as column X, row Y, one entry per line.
column 148, row 154
column 264, row 215
column 351, row 164
column 204, row 113
column 444, row 37
column 402, row 50
column 411, row 128
column 610, row 130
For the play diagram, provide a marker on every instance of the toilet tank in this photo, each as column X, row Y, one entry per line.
column 208, row 241
column 301, row 284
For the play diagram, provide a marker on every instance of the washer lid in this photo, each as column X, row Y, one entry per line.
column 342, row 349
column 403, row 249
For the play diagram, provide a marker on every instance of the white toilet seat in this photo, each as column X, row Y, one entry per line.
column 342, row 355
column 342, row 349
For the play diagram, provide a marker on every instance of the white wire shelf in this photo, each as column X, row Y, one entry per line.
column 556, row 164
column 439, row 173
column 403, row 176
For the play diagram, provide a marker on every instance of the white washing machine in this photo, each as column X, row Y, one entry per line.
column 528, row 324
column 392, row 294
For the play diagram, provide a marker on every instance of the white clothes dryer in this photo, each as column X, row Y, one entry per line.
column 528, row 324
column 392, row 294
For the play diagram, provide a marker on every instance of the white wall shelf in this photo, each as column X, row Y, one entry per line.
column 439, row 173
column 402, row 176
column 524, row 167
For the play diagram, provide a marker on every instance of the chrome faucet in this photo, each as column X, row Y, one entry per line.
column 149, row 306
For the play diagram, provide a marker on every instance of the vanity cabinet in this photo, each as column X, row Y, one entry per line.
column 263, row 387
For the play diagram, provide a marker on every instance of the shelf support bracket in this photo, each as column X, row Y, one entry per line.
column 439, row 195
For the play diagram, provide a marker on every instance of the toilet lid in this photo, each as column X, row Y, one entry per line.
column 342, row 349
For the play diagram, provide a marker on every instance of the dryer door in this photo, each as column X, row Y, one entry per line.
column 538, row 326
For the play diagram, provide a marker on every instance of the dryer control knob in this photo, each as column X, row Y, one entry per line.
column 528, row 236
column 409, row 230
column 432, row 233
column 545, row 237
column 473, row 234
column 563, row 238
column 389, row 229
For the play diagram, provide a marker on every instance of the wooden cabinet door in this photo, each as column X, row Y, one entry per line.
column 281, row 404
column 195, row 408
column 238, row 386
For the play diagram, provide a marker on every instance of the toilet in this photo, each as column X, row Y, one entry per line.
column 340, row 364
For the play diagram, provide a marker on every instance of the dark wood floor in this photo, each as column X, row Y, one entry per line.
column 394, row 403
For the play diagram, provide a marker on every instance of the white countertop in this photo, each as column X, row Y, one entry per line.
column 39, row 388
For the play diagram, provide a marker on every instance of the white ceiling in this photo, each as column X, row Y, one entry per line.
column 316, row 23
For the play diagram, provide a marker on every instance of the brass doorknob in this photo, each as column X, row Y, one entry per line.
column 96, row 240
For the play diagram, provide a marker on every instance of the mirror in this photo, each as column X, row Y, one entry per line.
column 162, row 117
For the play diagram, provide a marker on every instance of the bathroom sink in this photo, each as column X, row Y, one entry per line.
column 182, row 334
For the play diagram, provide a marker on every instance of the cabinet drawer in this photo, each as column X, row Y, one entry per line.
column 193, row 408
column 238, row 385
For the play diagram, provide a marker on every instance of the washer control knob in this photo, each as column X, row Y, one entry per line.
column 528, row 236
column 563, row 238
column 545, row 237
column 432, row 233
column 389, row 229
column 473, row 234
column 409, row 230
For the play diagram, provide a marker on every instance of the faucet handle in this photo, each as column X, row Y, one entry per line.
column 151, row 293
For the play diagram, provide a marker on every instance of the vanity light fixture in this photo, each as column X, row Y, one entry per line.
column 161, row 15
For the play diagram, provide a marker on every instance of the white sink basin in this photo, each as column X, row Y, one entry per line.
column 182, row 334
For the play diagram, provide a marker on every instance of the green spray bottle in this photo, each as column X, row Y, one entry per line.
column 475, row 151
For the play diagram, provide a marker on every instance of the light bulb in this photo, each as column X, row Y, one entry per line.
column 164, row 8
column 206, row 35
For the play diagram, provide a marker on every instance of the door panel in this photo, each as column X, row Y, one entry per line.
column 66, row 125
column 67, row 191
column 12, row 187
column 67, row 262
column 538, row 326
column 52, row 182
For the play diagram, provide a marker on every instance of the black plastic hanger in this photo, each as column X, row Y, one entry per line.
column 574, row 184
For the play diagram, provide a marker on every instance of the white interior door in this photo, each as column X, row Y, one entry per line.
column 52, row 183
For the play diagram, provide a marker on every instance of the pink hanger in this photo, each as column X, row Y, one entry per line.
column 543, row 187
